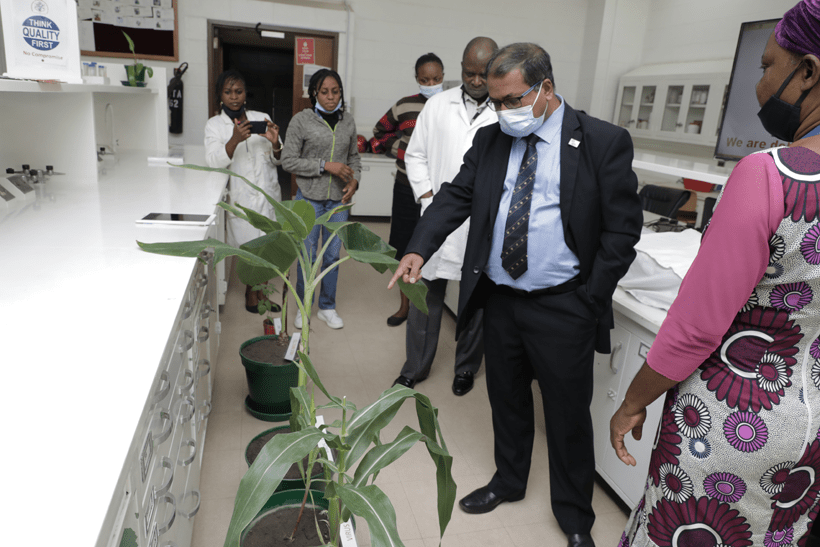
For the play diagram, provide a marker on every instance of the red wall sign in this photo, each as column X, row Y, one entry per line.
column 305, row 51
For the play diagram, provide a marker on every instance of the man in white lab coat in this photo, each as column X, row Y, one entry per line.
column 444, row 132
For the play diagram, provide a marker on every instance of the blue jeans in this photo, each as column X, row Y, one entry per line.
column 327, row 294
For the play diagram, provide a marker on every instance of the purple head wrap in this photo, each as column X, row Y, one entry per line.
column 799, row 30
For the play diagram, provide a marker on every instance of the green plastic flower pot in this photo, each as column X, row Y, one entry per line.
column 286, row 484
column 268, row 385
column 288, row 499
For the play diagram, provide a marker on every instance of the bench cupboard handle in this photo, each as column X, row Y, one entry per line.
column 163, row 388
column 187, row 341
column 188, row 401
column 165, row 526
column 204, row 413
column 190, row 514
column 165, row 416
column 203, row 368
column 169, row 465
column 187, row 461
column 189, row 383
column 615, row 349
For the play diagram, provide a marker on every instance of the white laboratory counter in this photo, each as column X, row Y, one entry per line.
column 86, row 316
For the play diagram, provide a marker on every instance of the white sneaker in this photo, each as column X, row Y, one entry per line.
column 297, row 321
column 331, row 318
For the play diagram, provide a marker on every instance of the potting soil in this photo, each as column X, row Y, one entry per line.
column 267, row 350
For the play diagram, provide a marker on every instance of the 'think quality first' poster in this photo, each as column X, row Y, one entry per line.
column 40, row 40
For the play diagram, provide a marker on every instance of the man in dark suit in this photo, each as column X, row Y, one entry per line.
column 554, row 218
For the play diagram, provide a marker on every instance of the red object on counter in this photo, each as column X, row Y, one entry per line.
column 698, row 185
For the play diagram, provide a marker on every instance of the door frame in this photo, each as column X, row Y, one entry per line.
column 250, row 37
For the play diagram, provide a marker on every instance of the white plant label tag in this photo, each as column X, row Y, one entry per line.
column 294, row 344
column 277, row 325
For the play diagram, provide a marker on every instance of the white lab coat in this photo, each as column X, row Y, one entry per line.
column 253, row 159
column 442, row 136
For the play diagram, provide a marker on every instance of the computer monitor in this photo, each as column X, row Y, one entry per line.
column 741, row 132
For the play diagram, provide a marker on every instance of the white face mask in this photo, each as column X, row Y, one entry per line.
column 520, row 122
column 430, row 90
column 320, row 108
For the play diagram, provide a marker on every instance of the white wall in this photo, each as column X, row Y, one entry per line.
column 388, row 37
column 592, row 42
column 702, row 29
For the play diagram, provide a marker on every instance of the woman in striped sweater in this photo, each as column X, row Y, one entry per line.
column 391, row 136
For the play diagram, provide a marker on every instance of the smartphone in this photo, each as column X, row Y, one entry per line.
column 259, row 127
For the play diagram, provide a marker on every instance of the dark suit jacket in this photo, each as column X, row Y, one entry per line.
column 600, row 211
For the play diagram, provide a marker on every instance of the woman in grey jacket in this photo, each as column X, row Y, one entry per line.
column 321, row 150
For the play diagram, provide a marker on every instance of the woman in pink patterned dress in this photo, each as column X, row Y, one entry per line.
column 736, row 460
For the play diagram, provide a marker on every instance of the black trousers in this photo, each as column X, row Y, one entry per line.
column 549, row 338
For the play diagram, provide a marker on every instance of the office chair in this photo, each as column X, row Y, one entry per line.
column 662, row 200
column 708, row 208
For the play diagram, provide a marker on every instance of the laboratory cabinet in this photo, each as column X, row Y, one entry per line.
column 612, row 375
column 679, row 102
column 158, row 493
column 64, row 125
column 375, row 194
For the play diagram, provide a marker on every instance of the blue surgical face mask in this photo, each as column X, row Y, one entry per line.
column 520, row 122
column 320, row 109
column 429, row 90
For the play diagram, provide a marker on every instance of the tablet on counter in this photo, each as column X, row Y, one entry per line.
column 178, row 219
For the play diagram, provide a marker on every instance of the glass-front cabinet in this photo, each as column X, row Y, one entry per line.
column 678, row 102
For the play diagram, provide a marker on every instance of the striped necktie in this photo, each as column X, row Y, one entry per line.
column 514, row 249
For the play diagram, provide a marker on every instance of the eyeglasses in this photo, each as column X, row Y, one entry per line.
column 511, row 103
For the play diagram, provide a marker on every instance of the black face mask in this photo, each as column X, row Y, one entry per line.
column 233, row 114
column 779, row 118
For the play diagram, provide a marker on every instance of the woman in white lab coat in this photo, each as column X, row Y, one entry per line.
column 231, row 143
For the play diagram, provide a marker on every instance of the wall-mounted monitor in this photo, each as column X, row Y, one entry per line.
column 741, row 132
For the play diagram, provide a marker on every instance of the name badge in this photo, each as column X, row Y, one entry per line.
column 574, row 143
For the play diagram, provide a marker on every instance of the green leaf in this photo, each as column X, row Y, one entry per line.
column 379, row 261
column 357, row 237
column 361, row 437
column 300, row 408
column 325, row 218
column 130, row 43
column 235, row 210
column 259, row 221
column 373, row 505
column 264, row 476
column 149, row 71
column 416, row 292
column 381, row 456
column 307, row 365
column 275, row 248
column 193, row 248
column 294, row 218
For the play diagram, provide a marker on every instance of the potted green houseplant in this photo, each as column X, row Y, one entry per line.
column 356, row 436
column 136, row 72
column 349, row 478
column 272, row 255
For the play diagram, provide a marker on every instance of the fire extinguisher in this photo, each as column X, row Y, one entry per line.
column 175, row 98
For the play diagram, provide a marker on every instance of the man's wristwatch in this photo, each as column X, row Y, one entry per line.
column 321, row 167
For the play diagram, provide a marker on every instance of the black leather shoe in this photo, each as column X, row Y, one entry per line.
column 395, row 321
column 463, row 383
column 405, row 381
column 484, row 501
column 580, row 540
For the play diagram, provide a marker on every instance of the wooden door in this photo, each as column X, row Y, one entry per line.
column 325, row 53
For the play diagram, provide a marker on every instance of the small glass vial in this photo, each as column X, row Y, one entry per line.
column 102, row 71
